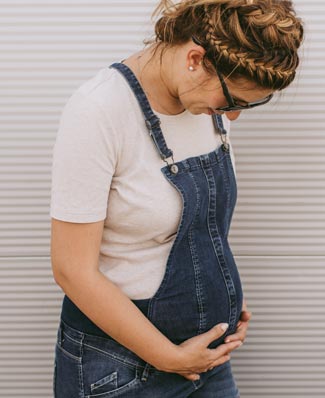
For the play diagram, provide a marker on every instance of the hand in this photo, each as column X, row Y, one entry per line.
column 242, row 326
column 194, row 356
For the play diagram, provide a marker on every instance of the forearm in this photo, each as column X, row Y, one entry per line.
column 111, row 310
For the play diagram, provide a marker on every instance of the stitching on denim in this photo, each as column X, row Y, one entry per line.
column 68, row 353
column 216, row 240
column 196, row 263
column 171, row 253
column 123, row 361
column 232, row 176
column 70, row 338
column 222, row 260
column 103, row 381
column 226, row 180
column 155, row 131
column 116, row 393
column 185, row 166
column 80, row 370
column 231, row 287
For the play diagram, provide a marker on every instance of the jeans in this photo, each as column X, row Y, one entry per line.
column 88, row 366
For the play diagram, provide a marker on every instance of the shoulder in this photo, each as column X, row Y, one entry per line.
column 107, row 91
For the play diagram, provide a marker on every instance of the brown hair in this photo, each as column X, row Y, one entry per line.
column 254, row 39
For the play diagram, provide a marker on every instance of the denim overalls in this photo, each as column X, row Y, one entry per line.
column 201, row 287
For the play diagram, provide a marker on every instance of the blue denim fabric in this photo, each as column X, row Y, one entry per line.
column 89, row 366
column 201, row 287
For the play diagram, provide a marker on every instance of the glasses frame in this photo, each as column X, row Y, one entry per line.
column 232, row 106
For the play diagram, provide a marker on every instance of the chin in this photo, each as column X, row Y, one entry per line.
column 198, row 111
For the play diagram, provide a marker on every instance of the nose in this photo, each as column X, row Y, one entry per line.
column 233, row 115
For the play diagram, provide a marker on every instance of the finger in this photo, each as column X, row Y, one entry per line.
column 192, row 376
column 239, row 335
column 225, row 349
column 245, row 316
column 220, row 361
column 213, row 333
column 235, row 337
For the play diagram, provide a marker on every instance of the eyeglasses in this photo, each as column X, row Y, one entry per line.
column 232, row 104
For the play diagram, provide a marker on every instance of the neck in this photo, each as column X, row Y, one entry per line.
column 155, row 73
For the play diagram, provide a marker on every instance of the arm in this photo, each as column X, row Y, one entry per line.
column 74, row 252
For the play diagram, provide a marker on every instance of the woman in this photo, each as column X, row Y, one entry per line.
column 143, row 192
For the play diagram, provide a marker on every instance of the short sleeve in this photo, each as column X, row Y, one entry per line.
column 84, row 161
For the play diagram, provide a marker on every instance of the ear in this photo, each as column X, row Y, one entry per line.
column 194, row 57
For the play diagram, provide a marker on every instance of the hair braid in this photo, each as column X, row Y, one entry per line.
column 258, row 40
column 231, row 55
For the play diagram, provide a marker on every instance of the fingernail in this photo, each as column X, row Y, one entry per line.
column 197, row 377
column 224, row 326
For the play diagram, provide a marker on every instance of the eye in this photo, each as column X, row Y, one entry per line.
column 240, row 102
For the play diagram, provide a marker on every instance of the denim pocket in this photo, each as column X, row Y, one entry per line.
column 67, row 368
column 109, row 381
column 106, row 374
column 69, row 347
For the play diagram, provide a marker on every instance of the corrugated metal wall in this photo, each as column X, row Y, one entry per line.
column 278, row 232
column 47, row 48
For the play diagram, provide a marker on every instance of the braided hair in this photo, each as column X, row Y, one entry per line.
column 254, row 39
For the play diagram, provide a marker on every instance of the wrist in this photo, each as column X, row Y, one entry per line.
column 170, row 360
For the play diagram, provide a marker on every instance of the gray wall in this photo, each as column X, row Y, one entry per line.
column 47, row 49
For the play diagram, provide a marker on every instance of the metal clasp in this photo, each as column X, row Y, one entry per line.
column 171, row 165
column 225, row 144
column 150, row 125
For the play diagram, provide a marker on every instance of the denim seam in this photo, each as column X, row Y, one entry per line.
column 154, row 130
column 193, row 167
column 102, row 382
column 116, row 393
column 78, row 359
column 70, row 338
column 217, row 245
column 171, row 254
column 233, row 176
column 117, row 358
column 80, row 370
column 196, row 263
column 232, row 291
column 227, row 187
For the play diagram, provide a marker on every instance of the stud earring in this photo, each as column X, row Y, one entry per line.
column 191, row 68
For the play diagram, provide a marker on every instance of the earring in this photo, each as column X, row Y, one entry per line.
column 191, row 68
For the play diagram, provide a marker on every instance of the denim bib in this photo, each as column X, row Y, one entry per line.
column 201, row 286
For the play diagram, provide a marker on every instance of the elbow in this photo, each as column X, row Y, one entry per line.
column 60, row 278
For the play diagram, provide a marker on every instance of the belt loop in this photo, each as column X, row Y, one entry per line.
column 145, row 373
column 60, row 335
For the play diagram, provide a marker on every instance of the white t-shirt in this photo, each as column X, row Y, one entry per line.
column 106, row 167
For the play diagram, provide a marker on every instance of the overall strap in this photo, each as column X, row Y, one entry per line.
column 218, row 124
column 152, row 120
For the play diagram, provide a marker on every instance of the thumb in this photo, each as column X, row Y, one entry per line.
column 214, row 333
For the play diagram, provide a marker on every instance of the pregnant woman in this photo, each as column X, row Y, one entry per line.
column 143, row 192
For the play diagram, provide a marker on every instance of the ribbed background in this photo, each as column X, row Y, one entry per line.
column 48, row 48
